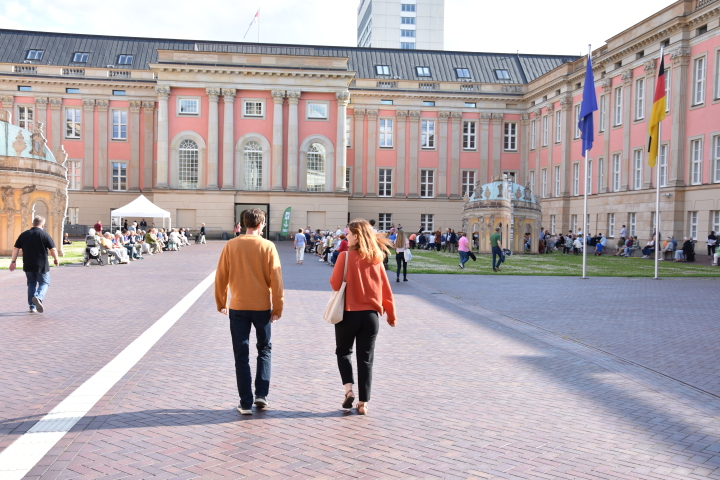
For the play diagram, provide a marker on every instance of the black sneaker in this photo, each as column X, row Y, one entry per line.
column 244, row 411
column 260, row 402
column 38, row 304
column 495, row 269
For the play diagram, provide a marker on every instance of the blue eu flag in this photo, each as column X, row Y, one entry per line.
column 588, row 106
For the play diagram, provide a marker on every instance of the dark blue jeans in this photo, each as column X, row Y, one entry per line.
column 241, row 321
column 497, row 253
column 37, row 284
column 464, row 256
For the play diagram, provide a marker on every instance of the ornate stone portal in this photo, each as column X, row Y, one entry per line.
column 503, row 204
column 32, row 182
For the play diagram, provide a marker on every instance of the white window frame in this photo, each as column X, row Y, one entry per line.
column 532, row 181
column 74, row 174
column 348, row 178
column 601, row 174
column 119, row 120
column 74, row 123
column 34, row 54
column 510, row 137
column 632, row 224
column 80, row 57
column 469, row 135
column 544, row 182
column 405, row 33
column 716, row 159
column 588, row 179
column 384, row 221
column 125, row 59
column 640, row 99
column 693, row 224
column 184, row 102
column 715, row 221
column 616, row 172
column 576, row 178
column 386, row 133
column 253, row 166
column 603, row 113
column 545, row 122
column 556, row 180
column 186, row 173
column 427, row 222
column 463, row 72
column 382, row 69
column 533, row 139
column 427, row 183
column 558, row 126
column 427, row 134
column 611, row 225
column 73, row 215
column 663, row 163
column 668, row 90
column 552, row 224
column 315, row 110
column 618, row 107
column 577, row 122
column 637, row 169
column 252, row 104
column 422, row 71
column 348, row 132
column 696, row 154
column 119, row 179
column 573, row 222
column 699, row 73
column 385, row 186
column 467, row 182
column 23, row 121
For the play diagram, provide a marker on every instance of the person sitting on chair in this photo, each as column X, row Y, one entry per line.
column 649, row 248
column 680, row 255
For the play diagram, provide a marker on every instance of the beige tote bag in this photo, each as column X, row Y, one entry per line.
column 335, row 307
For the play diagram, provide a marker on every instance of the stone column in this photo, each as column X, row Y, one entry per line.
column 371, row 151
column 607, row 155
column 455, row 142
column 650, row 70
column 103, row 167
column 41, row 105
column 57, row 123
column 626, row 161
column 343, row 98
column 568, row 127
column 134, row 167
column 678, row 90
column 401, row 154
column 7, row 104
column 276, row 179
column 484, row 147
column 87, row 136
column 497, row 119
column 538, row 147
column 293, row 145
column 147, row 167
column 228, row 139
column 442, row 154
column 524, row 138
column 212, row 162
column 358, row 174
column 550, row 113
column 163, row 146
column 414, row 148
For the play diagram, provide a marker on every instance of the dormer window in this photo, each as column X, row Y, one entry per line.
column 80, row 57
column 125, row 60
column 423, row 71
column 502, row 74
column 382, row 69
column 463, row 72
column 34, row 55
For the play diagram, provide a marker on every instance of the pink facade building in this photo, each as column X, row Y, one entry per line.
column 206, row 129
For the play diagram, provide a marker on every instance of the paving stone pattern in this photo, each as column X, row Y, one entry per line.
column 459, row 391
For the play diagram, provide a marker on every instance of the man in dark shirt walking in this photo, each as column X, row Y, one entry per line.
column 35, row 245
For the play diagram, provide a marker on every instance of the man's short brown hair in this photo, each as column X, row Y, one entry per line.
column 37, row 221
column 253, row 217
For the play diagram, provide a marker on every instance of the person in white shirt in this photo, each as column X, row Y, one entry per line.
column 623, row 232
column 578, row 244
column 299, row 244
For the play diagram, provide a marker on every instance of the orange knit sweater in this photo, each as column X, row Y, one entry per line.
column 367, row 286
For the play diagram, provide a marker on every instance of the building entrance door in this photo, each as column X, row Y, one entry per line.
column 240, row 209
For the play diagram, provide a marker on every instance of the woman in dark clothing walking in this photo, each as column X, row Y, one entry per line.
column 401, row 244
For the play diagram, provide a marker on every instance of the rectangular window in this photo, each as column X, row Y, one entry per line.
column 470, row 104
column 189, row 106
column 125, row 59
column 463, row 72
column 406, row 7
column 34, row 55
column 72, row 90
column 119, row 125
column 384, row 221
column 23, row 88
column 407, row 20
column 407, row 33
column 588, row 179
column 468, row 182
column 532, row 181
column 699, row 81
column 533, row 126
column 611, row 225
column 26, row 118
column 386, row 102
column 573, row 223
column 558, row 126
column 668, row 81
column 74, row 175
column 544, row 183
column 469, row 136
column 577, row 122
column 616, row 173
column 119, row 176
column 119, row 92
column 428, row 134
column 557, row 180
column 427, row 222
column 663, row 161
column 576, row 178
column 72, row 123
column 386, row 132
column 632, row 231
column 637, row 169
column 510, row 141
column 348, row 131
column 427, row 183
column 502, row 74
column 317, row 110
column 347, row 178
column 253, row 108
column 716, row 156
column 428, row 103
column 696, row 159
column 552, row 224
column 385, row 182
column 617, row 117
column 693, row 222
column 407, row 46
column 382, row 69
column 601, row 174
column 73, row 213
column 545, row 131
column 603, row 113
column 80, row 57
column 423, row 71
column 640, row 99
column 716, row 221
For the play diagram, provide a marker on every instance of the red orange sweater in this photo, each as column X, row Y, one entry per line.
column 367, row 286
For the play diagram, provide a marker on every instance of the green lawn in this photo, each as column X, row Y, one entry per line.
column 73, row 254
column 556, row 264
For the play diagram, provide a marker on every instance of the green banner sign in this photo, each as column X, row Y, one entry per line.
column 285, row 222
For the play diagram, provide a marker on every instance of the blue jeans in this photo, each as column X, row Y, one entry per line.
column 497, row 253
column 37, row 284
column 464, row 256
column 241, row 322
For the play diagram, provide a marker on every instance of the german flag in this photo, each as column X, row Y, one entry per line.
column 657, row 115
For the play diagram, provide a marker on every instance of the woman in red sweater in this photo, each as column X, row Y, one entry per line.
column 367, row 297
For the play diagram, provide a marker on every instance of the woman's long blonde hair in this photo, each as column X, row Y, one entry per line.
column 371, row 246
column 400, row 239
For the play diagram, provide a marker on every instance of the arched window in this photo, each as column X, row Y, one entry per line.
column 316, row 168
column 188, row 164
column 253, row 173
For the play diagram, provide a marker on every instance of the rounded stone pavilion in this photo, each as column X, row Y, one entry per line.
column 32, row 182
column 505, row 204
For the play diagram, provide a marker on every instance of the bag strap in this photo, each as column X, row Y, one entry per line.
column 347, row 259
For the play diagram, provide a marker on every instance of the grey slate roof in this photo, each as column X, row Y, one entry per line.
column 104, row 50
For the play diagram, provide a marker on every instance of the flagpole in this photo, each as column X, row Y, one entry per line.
column 657, row 188
column 585, row 202
column 258, row 25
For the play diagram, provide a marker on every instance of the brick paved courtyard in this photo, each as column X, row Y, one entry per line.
column 484, row 377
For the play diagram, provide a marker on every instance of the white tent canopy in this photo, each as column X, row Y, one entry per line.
column 141, row 207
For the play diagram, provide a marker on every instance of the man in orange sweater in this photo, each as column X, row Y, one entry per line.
column 249, row 267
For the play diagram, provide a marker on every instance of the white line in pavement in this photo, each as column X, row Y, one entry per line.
column 22, row 455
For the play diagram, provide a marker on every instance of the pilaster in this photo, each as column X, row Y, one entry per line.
column 276, row 183
column 497, row 119
column 56, row 127
column 484, row 147
column 414, row 148
column 213, row 95
column 607, row 156
column 650, row 70
column 455, row 142
column 568, row 126
column 89, row 167
column 228, row 139
column 442, row 154
column 401, row 153
column 372, row 120
column 627, row 82
column 680, row 58
column 293, row 98
column 134, row 167
column 147, row 159
column 102, row 136
column 342, row 99
column 163, row 147
column 41, row 111
column 524, row 138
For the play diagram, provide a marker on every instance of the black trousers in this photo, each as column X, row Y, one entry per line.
column 400, row 259
column 362, row 326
